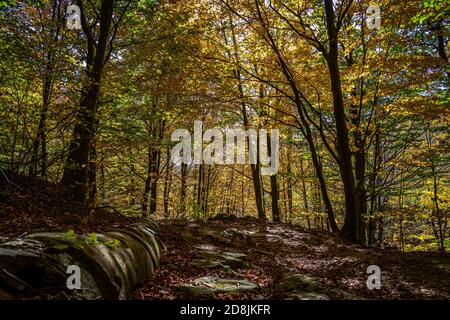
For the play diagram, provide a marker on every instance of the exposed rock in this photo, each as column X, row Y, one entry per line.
column 236, row 255
column 302, row 287
column 188, row 237
column 232, row 259
column 208, row 264
column 225, row 285
column 306, row 287
column 212, row 237
column 206, row 287
column 197, row 292
column 111, row 264
column 300, row 282
column 305, row 295
column 207, row 247
column 237, row 235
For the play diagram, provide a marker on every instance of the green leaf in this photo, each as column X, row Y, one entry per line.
column 70, row 234
column 93, row 237
column 113, row 243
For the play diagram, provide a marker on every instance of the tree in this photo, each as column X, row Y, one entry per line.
column 99, row 47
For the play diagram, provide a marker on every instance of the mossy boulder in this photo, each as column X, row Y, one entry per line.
column 111, row 264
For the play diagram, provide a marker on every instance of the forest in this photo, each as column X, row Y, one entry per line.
column 225, row 149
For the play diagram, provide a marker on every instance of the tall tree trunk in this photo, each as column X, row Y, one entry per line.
column 255, row 168
column 75, row 176
column 305, row 127
column 352, row 222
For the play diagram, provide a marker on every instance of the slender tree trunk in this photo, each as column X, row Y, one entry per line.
column 304, row 192
column 274, row 190
column 360, row 172
column 437, row 210
column 155, row 135
column 373, row 191
column 206, row 191
column 167, row 185
column 285, row 213
column 41, row 139
column 198, row 204
column 255, row 168
column 352, row 222
column 154, row 182
column 156, row 168
column 243, row 194
column 183, row 187
column 289, row 184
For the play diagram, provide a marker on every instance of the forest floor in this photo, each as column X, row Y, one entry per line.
column 254, row 260
column 279, row 256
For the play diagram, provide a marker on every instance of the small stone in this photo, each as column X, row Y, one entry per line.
column 305, row 295
column 300, row 281
column 197, row 292
column 226, row 285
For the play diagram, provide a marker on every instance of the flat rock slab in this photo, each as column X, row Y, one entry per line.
column 306, row 287
column 207, row 287
column 300, row 282
column 211, row 264
column 302, row 287
column 197, row 292
column 304, row 295
column 226, row 285
column 231, row 259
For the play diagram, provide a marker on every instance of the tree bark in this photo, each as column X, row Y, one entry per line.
column 183, row 187
column 289, row 184
column 274, row 192
column 75, row 176
column 255, row 168
column 167, row 185
column 351, row 228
